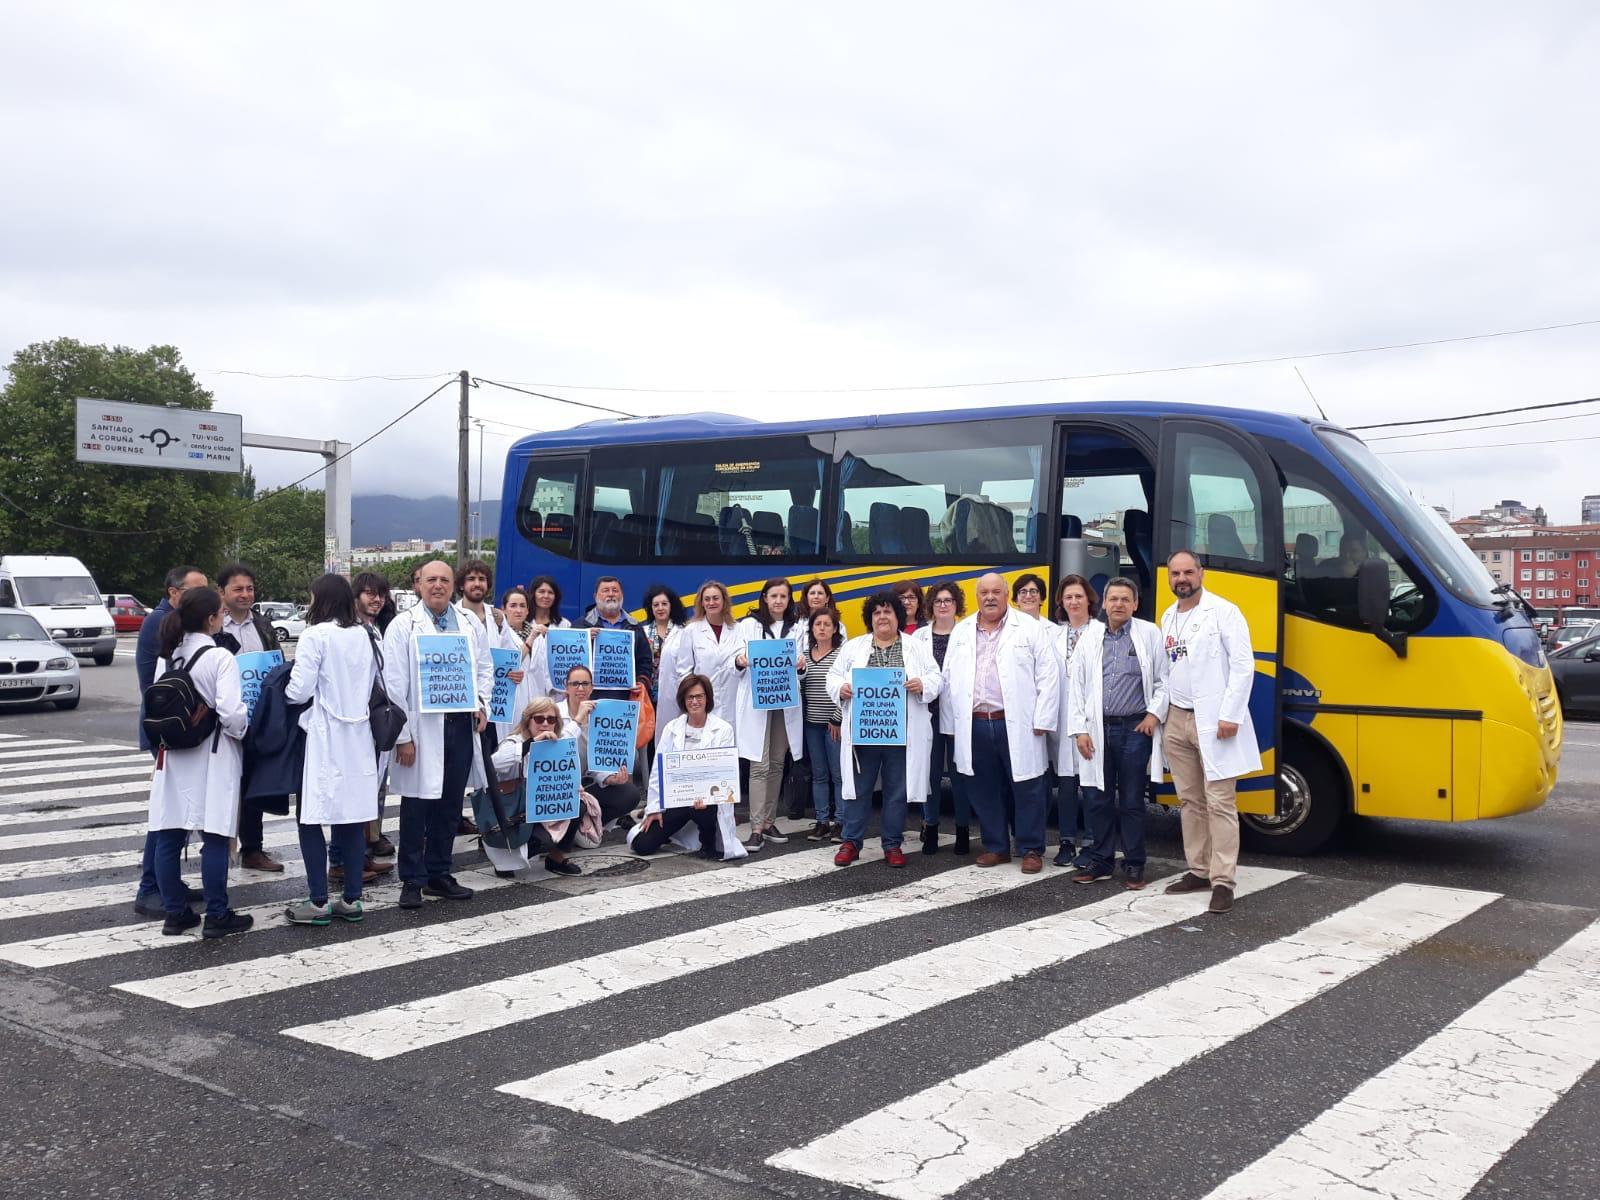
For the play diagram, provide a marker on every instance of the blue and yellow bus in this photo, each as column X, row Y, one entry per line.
column 1393, row 677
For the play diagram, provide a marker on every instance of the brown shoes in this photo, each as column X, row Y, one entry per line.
column 1032, row 863
column 257, row 860
column 988, row 859
column 1221, row 899
column 1187, row 882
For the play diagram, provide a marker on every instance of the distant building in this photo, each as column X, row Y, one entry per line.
column 1553, row 568
column 1591, row 510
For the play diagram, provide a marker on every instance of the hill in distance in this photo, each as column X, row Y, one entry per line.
column 379, row 520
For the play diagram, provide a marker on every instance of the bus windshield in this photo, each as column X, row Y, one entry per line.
column 1431, row 538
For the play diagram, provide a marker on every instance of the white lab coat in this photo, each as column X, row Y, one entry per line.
column 1087, row 714
column 919, row 723
column 717, row 733
column 1064, row 749
column 695, row 650
column 751, row 725
column 1030, row 690
column 334, row 668
column 1223, row 670
column 425, row 777
column 194, row 788
column 924, row 636
column 536, row 666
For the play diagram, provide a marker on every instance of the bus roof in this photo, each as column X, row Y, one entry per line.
column 614, row 431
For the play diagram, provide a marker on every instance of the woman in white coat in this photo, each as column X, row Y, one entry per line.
column 714, row 833
column 334, row 669
column 198, row 788
column 903, row 769
column 707, row 646
column 1077, row 604
column 1119, row 699
column 767, row 737
column 544, row 614
column 946, row 605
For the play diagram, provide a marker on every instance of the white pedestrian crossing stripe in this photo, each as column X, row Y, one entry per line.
column 43, row 868
column 106, row 895
column 105, row 758
column 20, row 800
column 100, row 833
column 139, row 764
column 61, row 749
column 941, row 1139
column 387, row 1032
column 639, row 1079
column 1434, row 1123
column 133, row 810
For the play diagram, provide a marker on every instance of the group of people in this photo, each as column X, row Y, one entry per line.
column 997, row 702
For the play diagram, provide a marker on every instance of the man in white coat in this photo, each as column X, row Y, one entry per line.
column 439, row 755
column 1003, row 684
column 1209, row 741
column 1118, row 701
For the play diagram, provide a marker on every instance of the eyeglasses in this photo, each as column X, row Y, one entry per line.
column 944, row 599
column 545, row 720
column 695, row 697
column 1029, row 591
column 579, row 683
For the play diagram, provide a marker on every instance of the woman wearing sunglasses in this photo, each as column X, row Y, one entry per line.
column 541, row 721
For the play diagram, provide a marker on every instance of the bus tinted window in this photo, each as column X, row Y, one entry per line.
column 547, row 513
column 956, row 501
column 739, row 498
column 1216, row 506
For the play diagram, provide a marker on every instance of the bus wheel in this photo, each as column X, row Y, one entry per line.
column 1314, row 804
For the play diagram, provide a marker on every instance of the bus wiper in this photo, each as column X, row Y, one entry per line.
column 1509, row 597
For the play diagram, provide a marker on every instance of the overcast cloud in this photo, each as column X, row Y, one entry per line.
column 749, row 197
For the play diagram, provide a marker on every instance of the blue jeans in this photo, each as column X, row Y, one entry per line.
column 213, row 871
column 428, row 824
column 1070, row 818
column 943, row 762
column 314, row 848
column 148, row 884
column 822, row 752
column 991, row 782
column 1116, row 811
column 871, row 761
column 336, row 853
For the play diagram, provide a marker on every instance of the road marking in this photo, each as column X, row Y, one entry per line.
column 93, row 792
column 639, row 1079
column 111, row 759
column 43, row 868
column 105, row 895
column 70, row 838
column 259, row 977
column 402, row 1028
column 1434, row 1122
column 947, row 1136
column 64, row 746
column 142, row 765
column 30, row 817
column 63, row 949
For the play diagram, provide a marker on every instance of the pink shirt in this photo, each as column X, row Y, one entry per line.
column 986, row 695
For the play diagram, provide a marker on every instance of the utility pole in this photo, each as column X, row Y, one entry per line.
column 462, row 498
column 477, row 513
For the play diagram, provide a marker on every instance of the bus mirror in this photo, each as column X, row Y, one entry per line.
column 1372, row 603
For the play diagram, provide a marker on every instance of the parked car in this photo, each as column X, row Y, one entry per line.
column 1572, row 633
column 127, row 614
column 290, row 627
column 62, row 596
column 33, row 666
column 1577, row 671
column 274, row 609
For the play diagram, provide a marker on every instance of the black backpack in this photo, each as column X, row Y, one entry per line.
column 175, row 716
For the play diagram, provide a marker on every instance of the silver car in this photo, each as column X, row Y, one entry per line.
column 32, row 667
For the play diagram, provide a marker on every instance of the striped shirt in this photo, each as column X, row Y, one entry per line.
column 819, row 708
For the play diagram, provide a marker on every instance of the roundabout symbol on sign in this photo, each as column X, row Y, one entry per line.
column 159, row 438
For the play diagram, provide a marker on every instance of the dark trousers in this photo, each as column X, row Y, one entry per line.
column 314, row 847
column 648, row 841
column 1116, row 811
column 1070, row 818
column 875, row 763
column 991, row 783
column 616, row 799
column 428, row 823
column 943, row 763
column 213, row 871
column 250, row 821
column 148, row 884
column 827, row 780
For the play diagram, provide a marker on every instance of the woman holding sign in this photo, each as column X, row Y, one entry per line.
column 542, row 721
column 769, row 724
column 947, row 605
column 334, row 669
column 544, row 614
column 707, row 646
column 895, row 746
column 696, row 729
column 614, row 789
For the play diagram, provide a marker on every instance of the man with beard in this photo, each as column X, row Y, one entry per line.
column 1208, row 739
column 609, row 612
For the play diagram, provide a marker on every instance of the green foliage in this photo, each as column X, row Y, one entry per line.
column 132, row 523
column 281, row 537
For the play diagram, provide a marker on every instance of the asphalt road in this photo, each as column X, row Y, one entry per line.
column 1151, row 1052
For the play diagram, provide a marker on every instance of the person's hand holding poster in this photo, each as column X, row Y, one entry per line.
column 878, row 706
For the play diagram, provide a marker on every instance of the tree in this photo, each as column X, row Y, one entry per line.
column 281, row 537
column 128, row 524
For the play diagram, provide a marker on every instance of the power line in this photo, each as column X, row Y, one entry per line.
column 358, row 445
column 1487, row 445
column 511, row 387
column 937, row 387
column 1493, row 412
column 1395, row 437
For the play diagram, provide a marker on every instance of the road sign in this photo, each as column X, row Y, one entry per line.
column 149, row 435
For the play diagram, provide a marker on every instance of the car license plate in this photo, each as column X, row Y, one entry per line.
column 12, row 681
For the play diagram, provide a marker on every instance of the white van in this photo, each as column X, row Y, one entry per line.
column 58, row 591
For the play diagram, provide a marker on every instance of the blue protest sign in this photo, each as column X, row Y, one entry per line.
column 774, row 682
column 613, row 659
column 612, row 726
column 503, row 701
column 878, row 706
column 253, row 668
column 565, row 649
column 554, row 777
column 444, row 673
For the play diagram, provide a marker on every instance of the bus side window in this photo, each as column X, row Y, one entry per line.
column 1217, row 509
column 547, row 511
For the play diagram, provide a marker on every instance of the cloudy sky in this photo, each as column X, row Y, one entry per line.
column 754, row 200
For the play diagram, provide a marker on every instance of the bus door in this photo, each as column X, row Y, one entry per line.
column 1218, row 494
column 1105, row 529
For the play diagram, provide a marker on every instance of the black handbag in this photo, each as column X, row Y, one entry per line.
column 387, row 717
